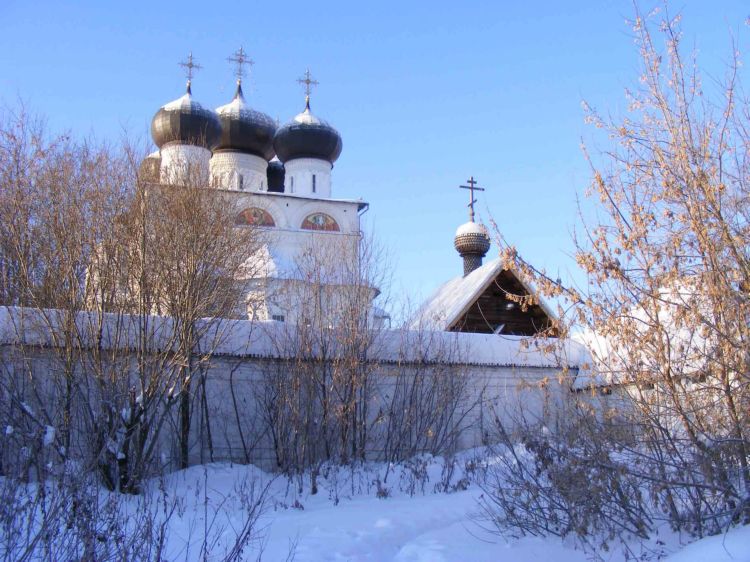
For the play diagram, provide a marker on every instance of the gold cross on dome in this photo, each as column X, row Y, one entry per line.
column 472, row 187
column 240, row 58
column 190, row 65
column 309, row 82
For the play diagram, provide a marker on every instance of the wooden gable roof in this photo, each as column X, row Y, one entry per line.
column 504, row 306
column 489, row 300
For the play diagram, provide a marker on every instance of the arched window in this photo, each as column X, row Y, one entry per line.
column 253, row 216
column 320, row 221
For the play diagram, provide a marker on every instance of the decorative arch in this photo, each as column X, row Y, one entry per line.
column 320, row 221
column 254, row 216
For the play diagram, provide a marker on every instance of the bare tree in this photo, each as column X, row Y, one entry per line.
column 61, row 200
column 197, row 260
column 104, row 262
column 667, row 310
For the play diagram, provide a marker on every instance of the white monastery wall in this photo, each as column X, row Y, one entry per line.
column 494, row 377
column 491, row 394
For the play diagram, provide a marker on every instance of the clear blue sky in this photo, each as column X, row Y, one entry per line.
column 424, row 94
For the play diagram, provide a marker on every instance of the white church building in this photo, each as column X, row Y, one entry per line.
column 471, row 338
column 279, row 179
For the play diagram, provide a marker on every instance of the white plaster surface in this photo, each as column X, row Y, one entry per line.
column 227, row 168
column 301, row 171
column 177, row 161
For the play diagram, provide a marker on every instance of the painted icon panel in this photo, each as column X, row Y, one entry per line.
column 320, row 221
column 253, row 216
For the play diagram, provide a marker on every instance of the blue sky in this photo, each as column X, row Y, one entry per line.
column 424, row 95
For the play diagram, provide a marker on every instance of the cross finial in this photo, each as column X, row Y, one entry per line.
column 309, row 82
column 472, row 187
column 240, row 58
column 190, row 65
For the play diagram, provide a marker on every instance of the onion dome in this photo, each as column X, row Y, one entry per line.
column 472, row 243
column 150, row 167
column 244, row 129
column 472, row 238
column 185, row 121
column 307, row 136
column 275, row 175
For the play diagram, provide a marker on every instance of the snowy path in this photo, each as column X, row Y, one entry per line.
column 432, row 528
column 429, row 527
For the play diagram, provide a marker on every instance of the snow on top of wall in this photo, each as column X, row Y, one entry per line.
column 591, row 374
column 279, row 340
column 47, row 328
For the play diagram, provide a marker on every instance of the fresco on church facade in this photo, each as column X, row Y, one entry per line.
column 320, row 221
column 254, row 216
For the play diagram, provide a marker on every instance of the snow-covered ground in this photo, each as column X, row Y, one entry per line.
column 349, row 519
column 371, row 513
column 346, row 520
column 734, row 546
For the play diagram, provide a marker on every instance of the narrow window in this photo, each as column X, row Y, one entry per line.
column 292, row 184
column 242, row 182
column 313, row 183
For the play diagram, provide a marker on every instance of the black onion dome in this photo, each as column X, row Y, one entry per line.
column 244, row 129
column 307, row 136
column 185, row 121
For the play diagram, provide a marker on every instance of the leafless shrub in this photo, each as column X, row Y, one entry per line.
column 69, row 517
column 425, row 398
column 346, row 391
column 566, row 479
column 316, row 401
